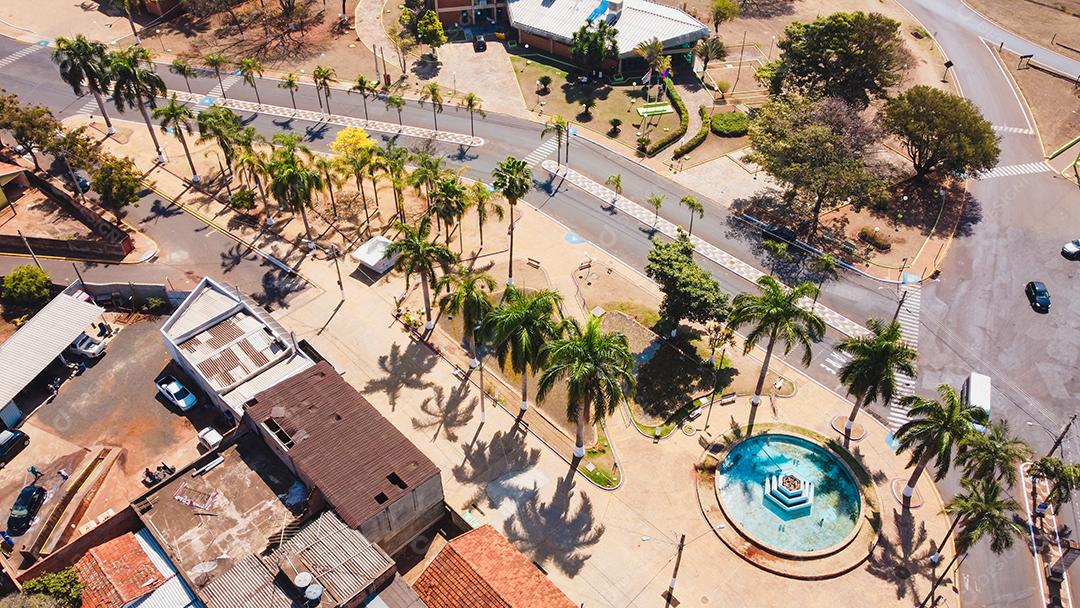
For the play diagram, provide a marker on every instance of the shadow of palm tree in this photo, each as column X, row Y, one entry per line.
column 161, row 210
column 904, row 561
column 447, row 413
column 277, row 287
column 403, row 370
column 233, row 257
column 504, row 454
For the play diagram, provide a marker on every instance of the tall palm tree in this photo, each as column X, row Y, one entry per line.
column 366, row 87
column 615, row 183
column 253, row 165
column 85, row 63
column 251, row 69
column 420, row 255
column 293, row 181
column 709, row 49
column 356, row 163
column 376, row 166
column 520, row 327
column 652, row 51
column 474, row 105
column 217, row 61
column 557, row 125
column 128, row 6
column 935, row 429
column 135, row 85
column 185, row 70
column 393, row 164
column 448, row 203
column 430, row 168
column 330, row 169
column 467, row 294
column 292, row 83
column 870, row 374
column 513, row 179
column 695, row 207
column 396, row 103
column 994, row 454
column 480, row 196
column 178, row 117
column 598, row 369
column 223, row 126
column 776, row 315
column 825, row 265
column 432, row 93
column 324, row 77
column 656, row 201
column 1063, row 479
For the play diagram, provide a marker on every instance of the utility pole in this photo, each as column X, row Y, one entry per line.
column 81, row 281
column 1061, row 437
column 28, row 248
column 899, row 305
column 675, row 574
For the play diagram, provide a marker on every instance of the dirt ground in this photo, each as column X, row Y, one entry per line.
column 1038, row 20
column 1054, row 101
column 40, row 216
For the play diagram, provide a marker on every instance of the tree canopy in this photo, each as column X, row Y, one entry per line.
column 853, row 56
column 117, row 181
column 63, row 586
column 942, row 132
column 352, row 141
column 689, row 291
column 593, row 44
column 722, row 11
column 429, row 30
column 26, row 285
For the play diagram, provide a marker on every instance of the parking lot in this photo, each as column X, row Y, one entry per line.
column 114, row 404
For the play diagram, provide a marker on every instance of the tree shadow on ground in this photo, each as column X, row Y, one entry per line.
column 277, row 287
column 161, row 210
column 504, row 455
column 447, row 413
column 426, row 68
column 667, row 380
column 403, row 370
column 234, row 256
column 550, row 532
column 764, row 9
column 903, row 561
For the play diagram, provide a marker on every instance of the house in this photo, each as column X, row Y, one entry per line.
column 339, row 445
column 231, row 347
column 481, row 569
column 131, row 570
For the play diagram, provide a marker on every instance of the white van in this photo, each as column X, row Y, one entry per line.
column 976, row 391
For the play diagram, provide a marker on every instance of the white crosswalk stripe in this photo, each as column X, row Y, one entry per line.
column 1014, row 170
column 541, row 152
column 908, row 317
column 1018, row 130
column 19, row 54
column 226, row 83
column 835, row 361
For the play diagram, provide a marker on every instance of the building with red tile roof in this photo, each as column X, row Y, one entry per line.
column 117, row 572
column 481, row 569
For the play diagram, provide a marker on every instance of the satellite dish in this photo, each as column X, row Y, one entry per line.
column 303, row 579
column 313, row 592
column 204, row 567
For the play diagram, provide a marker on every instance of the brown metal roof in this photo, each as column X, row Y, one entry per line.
column 342, row 444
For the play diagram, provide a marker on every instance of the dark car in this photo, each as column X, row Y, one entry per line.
column 11, row 443
column 1038, row 296
column 25, row 509
column 779, row 233
column 479, row 44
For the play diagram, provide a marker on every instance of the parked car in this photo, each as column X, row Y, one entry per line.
column 176, row 393
column 87, row 346
column 25, row 510
column 479, row 44
column 779, row 233
column 1071, row 249
column 1038, row 296
column 12, row 441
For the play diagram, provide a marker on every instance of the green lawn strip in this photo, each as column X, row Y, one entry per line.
column 602, row 458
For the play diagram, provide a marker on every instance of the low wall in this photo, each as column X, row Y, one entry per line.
column 120, row 294
column 123, row 522
column 70, row 248
column 100, row 222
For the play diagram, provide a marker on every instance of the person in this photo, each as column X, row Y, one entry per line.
column 36, row 472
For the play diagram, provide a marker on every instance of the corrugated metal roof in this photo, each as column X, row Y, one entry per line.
column 342, row 443
column 249, row 584
column 174, row 593
column 41, row 340
column 639, row 21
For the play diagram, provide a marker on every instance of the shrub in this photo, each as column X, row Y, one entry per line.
column 698, row 137
column 730, row 124
column 26, row 286
column 615, row 123
column 63, row 586
column 643, row 143
column 724, row 86
column 875, row 239
column 243, row 199
column 155, row 304
column 545, row 82
column 684, row 121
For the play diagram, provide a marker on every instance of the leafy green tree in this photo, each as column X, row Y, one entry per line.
column 710, row 49
column 593, row 44
column 217, row 62
column 520, row 327
column 598, row 369
column 870, row 374
column 479, row 196
column 775, row 314
column 23, row 600
column 32, row 127
column 722, row 11
column 85, row 63
column 817, row 150
column 429, row 31
column 293, row 179
column 117, row 181
column 251, row 69
column 366, row 87
column 420, row 255
column 136, row 84
column 853, row 56
column 292, row 83
column 942, row 132
column 934, row 431
column 63, row 586
column 185, row 70
column 513, row 179
column 474, row 105
column 177, row 117
column 403, row 42
column 468, row 294
column 690, row 292
column 26, row 285
column 695, row 207
column 76, row 150
column 993, row 454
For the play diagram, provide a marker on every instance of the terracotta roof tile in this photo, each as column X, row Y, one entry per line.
column 116, row 572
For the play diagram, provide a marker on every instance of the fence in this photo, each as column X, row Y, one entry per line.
column 126, row 294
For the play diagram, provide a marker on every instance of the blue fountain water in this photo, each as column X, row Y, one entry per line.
column 741, row 480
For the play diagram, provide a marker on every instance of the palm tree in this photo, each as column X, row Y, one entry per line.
column 431, row 93
column 134, row 85
column 474, row 105
column 695, row 207
column 251, row 69
column 253, row 165
column 329, row 168
column 217, row 61
column 184, row 69
column 652, row 51
column 480, row 197
column 870, row 374
column 557, row 125
column 358, row 163
column 776, row 315
column 615, row 183
column 127, row 6
column 292, row 83
column 993, row 454
column 222, row 125
column 598, row 369
column 393, row 162
column 448, row 203
column 656, row 201
column 324, row 77
column 513, row 179
column 780, row 251
column 709, row 49
column 420, row 255
column 85, row 63
column 430, row 168
column 1063, row 479
column 825, row 265
column 178, row 117
column 469, row 295
column 520, row 327
column 293, row 182
column 934, row 430
column 366, row 87
column 397, row 103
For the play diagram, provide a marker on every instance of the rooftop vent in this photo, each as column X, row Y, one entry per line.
column 397, row 481
column 279, row 433
column 381, row 498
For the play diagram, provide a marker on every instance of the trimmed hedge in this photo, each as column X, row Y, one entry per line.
column 730, row 124
column 698, row 137
column 684, row 121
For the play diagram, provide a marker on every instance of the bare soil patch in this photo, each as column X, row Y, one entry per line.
column 1054, row 101
column 1040, row 21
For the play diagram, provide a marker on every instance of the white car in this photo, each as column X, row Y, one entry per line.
column 176, row 393
column 87, row 346
column 1071, row 249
